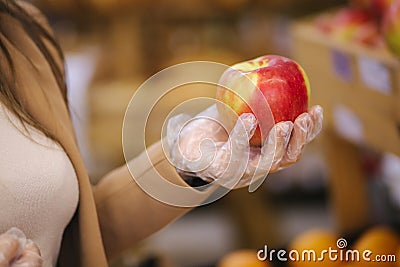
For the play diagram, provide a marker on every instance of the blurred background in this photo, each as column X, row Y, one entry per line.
column 348, row 180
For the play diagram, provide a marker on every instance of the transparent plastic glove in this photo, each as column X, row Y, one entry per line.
column 18, row 251
column 201, row 147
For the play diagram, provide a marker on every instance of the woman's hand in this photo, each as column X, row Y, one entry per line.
column 201, row 147
column 18, row 251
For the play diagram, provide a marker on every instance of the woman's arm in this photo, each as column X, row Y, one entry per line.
column 126, row 213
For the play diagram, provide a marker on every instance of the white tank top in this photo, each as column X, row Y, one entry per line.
column 38, row 185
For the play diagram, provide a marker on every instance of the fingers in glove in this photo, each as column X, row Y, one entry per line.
column 275, row 146
column 9, row 248
column 261, row 159
column 254, row 169
column 317, row 116
column 300, row 134
column 283, row 131
column 283, row 146
column 242, row 132
column 232, row 158
column 267, row 159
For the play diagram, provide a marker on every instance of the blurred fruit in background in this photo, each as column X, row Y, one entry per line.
column 373, row 23
column 242, row 258
column 391, row 27
column 379, row 7
column 316, row 240
column 350, row 25
column 363, row 4
column 381, row 240
column 375, row 7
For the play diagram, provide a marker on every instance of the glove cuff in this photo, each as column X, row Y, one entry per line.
column 192, row 180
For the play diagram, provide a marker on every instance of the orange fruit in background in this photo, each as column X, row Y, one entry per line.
column 242, row 258
column 317, row 240
column 380, row 240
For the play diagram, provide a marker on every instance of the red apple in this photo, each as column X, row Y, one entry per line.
column 282, row 95
column 391, row 28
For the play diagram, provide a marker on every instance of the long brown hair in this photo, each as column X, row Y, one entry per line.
column 38, row 34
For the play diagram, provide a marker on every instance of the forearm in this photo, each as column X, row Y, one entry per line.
column 126, row 213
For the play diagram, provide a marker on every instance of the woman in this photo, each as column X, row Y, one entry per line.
column 45, row 190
